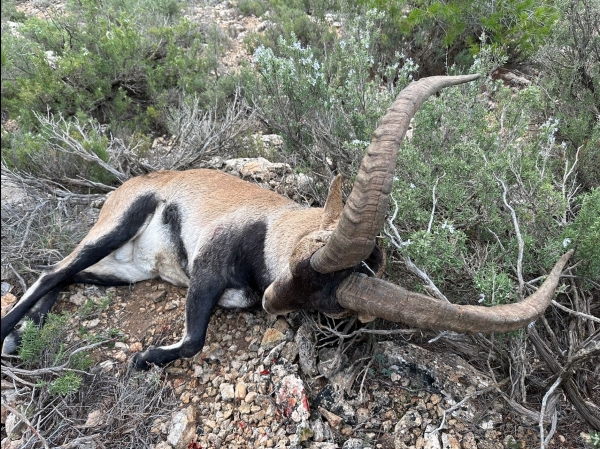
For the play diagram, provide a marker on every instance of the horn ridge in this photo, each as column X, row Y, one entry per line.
column 363, row 216
column 391, row 302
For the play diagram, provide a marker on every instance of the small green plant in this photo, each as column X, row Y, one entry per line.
column 327, row 104
column 116, row 62
column 45, row 346
column 93, row 306
column 495, row 285
column 584, row 234
column 113, row 332
column 35, row 339
column 65, row 384
column 87, row 309
column 448, row 33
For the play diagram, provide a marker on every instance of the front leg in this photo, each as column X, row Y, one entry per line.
column 203, row 295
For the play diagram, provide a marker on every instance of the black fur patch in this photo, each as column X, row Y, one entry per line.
column 309, row 289
column 98, row 279
column 238, row 254
column 234, row 258
column 172, row 218
column 127, row 228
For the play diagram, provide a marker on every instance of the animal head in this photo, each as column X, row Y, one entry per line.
column 329, row 269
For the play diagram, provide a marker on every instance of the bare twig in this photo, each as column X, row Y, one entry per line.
column 519, row 237
column 27, row 422
column 574, row 312
column 6, row 370
column 549, row 393
column 465, row 399
column 19, row 277
column 434, row 201
column 55, row 370
column 570, row 195
column 397, row 241
column 70, row 136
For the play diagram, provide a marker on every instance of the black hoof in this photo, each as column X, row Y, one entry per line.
column 11, row 342
column 139, row 362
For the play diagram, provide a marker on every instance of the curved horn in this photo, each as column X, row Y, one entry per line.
column 379, row 298
column 353, row 239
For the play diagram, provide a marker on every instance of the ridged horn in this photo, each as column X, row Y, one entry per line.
column 353, row 239
column 391, row 302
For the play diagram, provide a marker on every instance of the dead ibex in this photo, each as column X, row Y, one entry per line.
column 233, row 243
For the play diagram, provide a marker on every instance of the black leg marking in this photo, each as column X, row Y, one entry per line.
column 243, row 253
column 98, row 279
column 234, row 259
column 124, row 231
column 37, row 314
column 172, row 218
column 203, row 295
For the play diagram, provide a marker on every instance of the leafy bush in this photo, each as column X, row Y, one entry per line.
column 36, row 339
column 439, row 34
column 327, row 105
column 570, row 75
column 66, row 384
column 297, row 19
column 453, row 177
column 584, row 234
column 119, row 62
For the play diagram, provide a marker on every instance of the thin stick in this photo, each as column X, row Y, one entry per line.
column 549, row 393
column 397, row 241
column 9, row 373
column 434, row 203
column 27, row 422
column 465, row 399
column 19, row 278
column 519, row 237
column 574, row 312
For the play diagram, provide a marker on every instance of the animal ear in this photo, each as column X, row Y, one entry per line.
column 333, row 206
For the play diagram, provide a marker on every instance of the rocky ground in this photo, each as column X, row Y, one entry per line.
column 263, row 381
column 266, row 381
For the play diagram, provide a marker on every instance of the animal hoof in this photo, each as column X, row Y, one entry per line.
column 11, row 343
column 138, row 362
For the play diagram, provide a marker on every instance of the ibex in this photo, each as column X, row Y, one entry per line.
column 232, row 243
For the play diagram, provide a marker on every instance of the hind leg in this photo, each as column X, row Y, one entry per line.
column 36, row 314
column 92, row 275
column 108, row 235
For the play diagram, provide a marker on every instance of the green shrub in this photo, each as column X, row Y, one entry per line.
column 570, row 76
column 297, row 19
column 467, row 151
column 327, row 105
column 44, row 346
column 65, row 384
column 584, row 234
column 118, row 62
column 36, row 339
column 444, row 33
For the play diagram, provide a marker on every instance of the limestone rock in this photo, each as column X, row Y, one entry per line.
column 183, row 428
column 290, row 397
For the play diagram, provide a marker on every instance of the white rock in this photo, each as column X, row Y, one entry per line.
column 91, row 323
column 183, row 428
column 432, row 440
column 227, row 391
column 290, row 396
column 240, row 390
column 410, row 420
